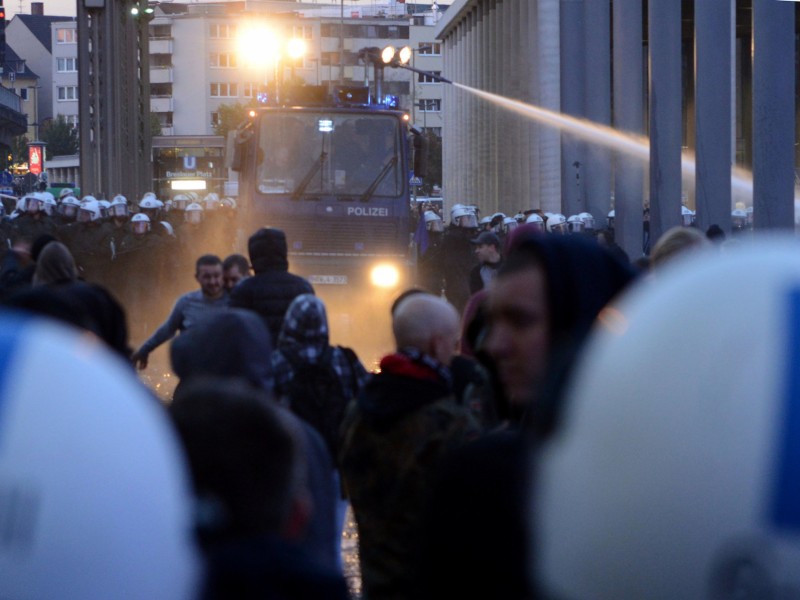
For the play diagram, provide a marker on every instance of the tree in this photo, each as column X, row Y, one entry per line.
column 19, row 150
column 434, row 174
column 230, row 116
column 155, row 124
column 60, row 136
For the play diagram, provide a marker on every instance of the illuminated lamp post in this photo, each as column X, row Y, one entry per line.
column 259, row 47
column 262, row 48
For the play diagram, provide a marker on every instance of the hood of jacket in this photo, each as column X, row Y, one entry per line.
column 305, row 329
column 232, row 343
column 268, row 251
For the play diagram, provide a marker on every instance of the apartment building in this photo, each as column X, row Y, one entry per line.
column 196, row 66
column 64, row 36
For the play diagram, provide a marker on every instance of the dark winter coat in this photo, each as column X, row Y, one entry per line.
column 403, row 424
column 271, row 290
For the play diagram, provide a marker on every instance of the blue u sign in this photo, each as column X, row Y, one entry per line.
column 189, row 163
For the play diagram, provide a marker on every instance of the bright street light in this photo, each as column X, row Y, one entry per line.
column 258, row 46
column 296, row 48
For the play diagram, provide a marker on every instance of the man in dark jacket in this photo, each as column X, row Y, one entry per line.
column 271, row 290
column 395, row 436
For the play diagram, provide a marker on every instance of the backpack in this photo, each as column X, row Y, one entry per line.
column 316, row 394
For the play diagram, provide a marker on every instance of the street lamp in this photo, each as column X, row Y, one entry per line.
column 261, row 48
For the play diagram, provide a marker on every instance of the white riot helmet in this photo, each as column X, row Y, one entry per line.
column 150, row 206
column 69, row 207
column 89, row 210
column 140, row 224
column 181, row 201
column 433, row 222
column 193, row 213
column 464, row 217
column 105, row 205
column 536, row 221
column 691, row 493
column 610, row 219
column 211, row 201
column 32, row 203
column 48, row 196
column 228, row 202
column 509, row 223
column 588, row 221
column 82, row 452
column 49, row 204
column 687, row 216
column 575, row 224
column 557, row 223
column 484, row 222
column 65, row 192
column 119, row 208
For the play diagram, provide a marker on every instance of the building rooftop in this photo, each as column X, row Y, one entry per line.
column 39, row 26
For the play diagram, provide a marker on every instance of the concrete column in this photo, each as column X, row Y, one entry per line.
column 451, row 124
column 773, row 114
column 469, row 52
column 548, row 43
column 529, row 164
column 664, row 29
column 489, row 197
column 482, row 108
column 572, row 100
column 597, row 180
column 629, row 118
column 713, row 39
column 510, row 186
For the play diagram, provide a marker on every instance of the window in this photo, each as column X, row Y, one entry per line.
column 222, row 60
column 224, row 90
column 222, row 31
column 430, row 105
column 305, row 32
column 161, row 31
column 250, row 89
column 23, row 93
column 425, row 78
column 70, row 119
column 66, row 65
column 66, row 36
column 214, row 119
column 68, row 92
column 429, row 48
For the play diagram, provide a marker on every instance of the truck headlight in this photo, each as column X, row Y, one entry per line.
column 384, row 275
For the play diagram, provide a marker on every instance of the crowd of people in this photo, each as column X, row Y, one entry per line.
column 461, row 456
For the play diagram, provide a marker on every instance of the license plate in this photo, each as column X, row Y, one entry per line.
column 328, row 279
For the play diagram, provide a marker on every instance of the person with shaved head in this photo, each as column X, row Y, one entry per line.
column 404, row 422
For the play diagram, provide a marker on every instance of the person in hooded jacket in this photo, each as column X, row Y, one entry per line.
column 538, row 314
column 249, row 472
column 235, row 344
column 303, row 348
column 405, row 421
column 271, row 290
column 304, row 340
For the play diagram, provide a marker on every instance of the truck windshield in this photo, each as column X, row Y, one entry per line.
column 322, row 153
